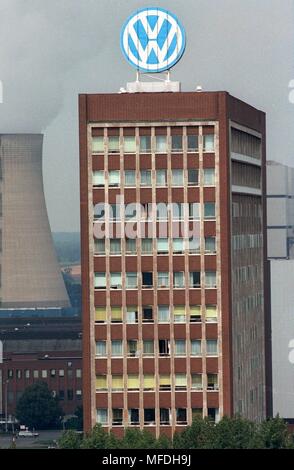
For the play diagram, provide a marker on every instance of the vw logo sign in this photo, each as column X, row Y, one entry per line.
column 153, row 40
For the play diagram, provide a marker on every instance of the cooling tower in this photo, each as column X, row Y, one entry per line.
column 30, row 274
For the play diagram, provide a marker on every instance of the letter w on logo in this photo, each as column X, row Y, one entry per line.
column 153, row 38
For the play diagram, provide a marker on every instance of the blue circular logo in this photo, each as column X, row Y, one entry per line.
column 152, row 40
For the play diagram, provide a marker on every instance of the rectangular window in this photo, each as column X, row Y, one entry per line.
column 61, row 395
column 164, row 416
column 114, row 178
column 195, row 279
column 99, row 247
column 211, row 313
column 209, row 177
column 162, row 245
column 116, row 315
column 100, row 281
column 148, row 382
column 164, row 347
column 28, row 373
column 18, row 373
column 179, row 314
column 36, row 373
column 195, row 347
column 181, row 381
column 210, row 279
column 193, row 178
column 210, row 245
column 79, row 373
column 98, row 178
column 149, row 416
column 145, row 143
column 148, row 347
column 178, row 245
column 132, row 347
column 192, row 143
column 115, row 280
column 197, row 381
column 133, row 382
column 195, row 314
column 134, row 416
column 208, row 143
column 131, row 246
column 164, row 382
column 101, row 348
column 194, row 211
column 78, row 394
column 163, row 314
column 116, row 348
column 212, row 382
column 179, row 280
column 194, row 245
column 162, row 211
column 147, row 246
column 147, row 280
column 114, row 212
column 145, row 177
column 98, row 144
column 117, row 417
column 162, row 280
column 130, row 178
column 101, row 382
column 117, row 383
column 44, row 374
column 102, row 417
column 70, row 394
column 115, row 246
column 129, row 144
column 161, row 144
column 61, row 373
column 177, row 178
column 211, row 347
column 161, row 178
column 178, row 210
column 132, row 315
column 209, row 210
column 180, row 347
column 147, row 314
column 177, row 143
column 181, row 415
column 113, row 144
column 131, row 280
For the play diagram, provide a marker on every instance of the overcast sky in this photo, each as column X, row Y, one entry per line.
column 51, row 50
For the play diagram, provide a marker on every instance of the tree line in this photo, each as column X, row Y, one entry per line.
column 228, row 433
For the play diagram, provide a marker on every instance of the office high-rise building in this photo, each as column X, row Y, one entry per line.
column 280, row 211
column 280, row 232
column 30, row 274
column 175, row 314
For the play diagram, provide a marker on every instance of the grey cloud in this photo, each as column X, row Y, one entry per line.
column 51, row 50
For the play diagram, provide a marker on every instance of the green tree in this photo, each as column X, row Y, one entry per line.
column 200, row 435
column 137, row 439
column 99, row 439
column 273, row 434
column 70, row 440
column 235, row 433
column 37, row 408
column 76, row 422
column 163, row 442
